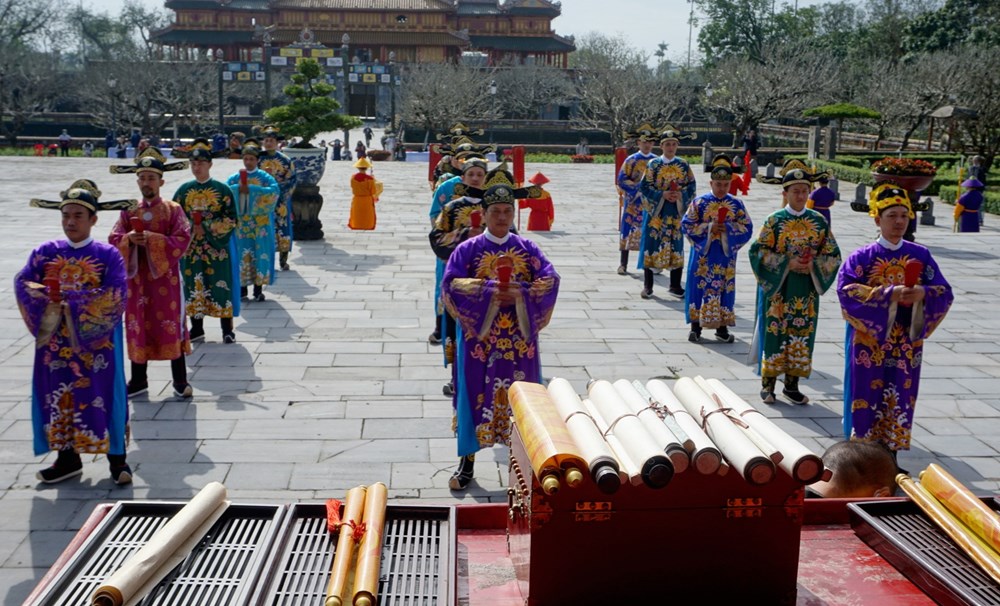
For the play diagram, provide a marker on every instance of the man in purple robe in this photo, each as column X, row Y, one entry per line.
column 71, row 295
column 501, row 290
column 887, row 322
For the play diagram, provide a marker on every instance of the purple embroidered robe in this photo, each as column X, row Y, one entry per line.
column 885, row 340
column 497, row 344
column 78, row 383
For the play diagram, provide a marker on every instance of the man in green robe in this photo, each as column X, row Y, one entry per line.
column 795, row 259
column 208, row 269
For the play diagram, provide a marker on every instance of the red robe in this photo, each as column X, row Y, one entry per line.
column 543, row 213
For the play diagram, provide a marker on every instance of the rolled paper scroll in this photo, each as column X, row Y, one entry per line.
column 723, row 214
column 705, row 456
column 370, row 552
column 667, row 441
column 547, row 441
column 630, row 469
column 967, row 541
column 739, row 451
column 476, row 219
column 137, row 225
column 353, row 515
column 164, row 550
column 657, row 470
column 769, row 450
column 665, row 416
column 964, row 505
column 798, row 462
column 601, row 461
column 196, row 217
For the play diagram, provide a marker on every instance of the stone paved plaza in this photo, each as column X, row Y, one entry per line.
column 332, row 383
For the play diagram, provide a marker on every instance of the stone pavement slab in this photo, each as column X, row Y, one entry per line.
column 332, row 383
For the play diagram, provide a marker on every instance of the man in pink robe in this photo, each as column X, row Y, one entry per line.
column 152, row 239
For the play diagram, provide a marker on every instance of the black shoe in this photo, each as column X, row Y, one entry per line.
column 65, row 467
column 694, row 337
column 121, row 475
column 722, row 335
column 434, row 339
column 676, row 291
column 258, row 297
column 134, row 388
column 284, row 267
column 228, row 337
column 795, row 396
column 197, row 335
column 462, row 477
column 622, row 271
column 448, row 389
column 647, row 293
column 183, row 391
column 767, row 396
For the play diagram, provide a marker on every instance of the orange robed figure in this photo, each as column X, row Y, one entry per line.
column 365, row 189
column 543, row 213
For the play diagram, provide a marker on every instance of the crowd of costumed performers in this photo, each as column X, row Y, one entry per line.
column 173, row 262
column 891, row 292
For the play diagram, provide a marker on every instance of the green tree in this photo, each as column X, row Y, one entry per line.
column 312, row 109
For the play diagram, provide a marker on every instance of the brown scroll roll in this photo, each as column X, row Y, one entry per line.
column 164, row 550
column 741, row 453
column 370, row 553
column 546, row 438
column 353, row 514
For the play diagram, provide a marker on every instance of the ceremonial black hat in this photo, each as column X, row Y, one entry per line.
column 200, row 149
column 474, row 162
column 270, row 131
column 251, row 147
column 85, row 193
column 643, row 132
column 794, row 171
column 150, row 160
column 499, row 188
column 671, row 132
column 722, row 168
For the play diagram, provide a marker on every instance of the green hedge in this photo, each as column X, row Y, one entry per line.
column 991, row 204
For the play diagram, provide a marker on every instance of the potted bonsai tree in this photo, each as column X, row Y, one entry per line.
column 311, row 111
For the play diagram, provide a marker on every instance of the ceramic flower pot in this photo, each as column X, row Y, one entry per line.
column 310, row 164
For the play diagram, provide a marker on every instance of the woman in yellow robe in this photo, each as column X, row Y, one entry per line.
column 365, row 190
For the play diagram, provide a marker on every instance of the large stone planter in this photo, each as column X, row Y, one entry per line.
column 310, row 164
